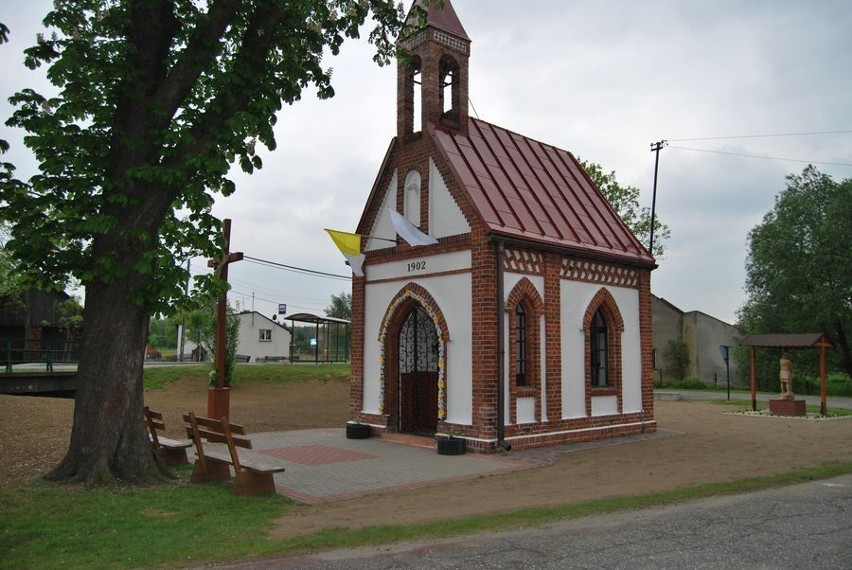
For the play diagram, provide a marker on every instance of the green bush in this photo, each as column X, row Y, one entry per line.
column 836, row 384
column 689, row 384
column 676, row 359
column 839, row 384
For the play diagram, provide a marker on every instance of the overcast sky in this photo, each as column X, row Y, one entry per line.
column 603, row 80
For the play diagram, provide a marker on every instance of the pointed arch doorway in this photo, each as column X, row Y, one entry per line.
column 417, row 379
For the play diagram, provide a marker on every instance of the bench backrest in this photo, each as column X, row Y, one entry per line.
column 155, row 423
column 216, row 431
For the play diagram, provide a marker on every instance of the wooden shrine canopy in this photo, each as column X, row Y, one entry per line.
column 787, row 341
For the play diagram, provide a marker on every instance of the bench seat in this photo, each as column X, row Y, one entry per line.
column 170, row 451
column 252, row 475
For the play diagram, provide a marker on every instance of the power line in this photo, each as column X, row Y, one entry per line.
column 296, row 269
column 268, row 263
column 758, row 156
column 255, row 297
column 763, row 136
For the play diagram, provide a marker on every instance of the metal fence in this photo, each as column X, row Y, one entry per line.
column 47, row 352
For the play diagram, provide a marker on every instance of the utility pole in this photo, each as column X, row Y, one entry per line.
column 218, row 400
column 655, row 147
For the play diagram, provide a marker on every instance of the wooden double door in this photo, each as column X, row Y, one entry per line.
column 418, row 374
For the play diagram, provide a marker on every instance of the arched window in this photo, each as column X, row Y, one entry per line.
column 600, row 351
column 521, row 349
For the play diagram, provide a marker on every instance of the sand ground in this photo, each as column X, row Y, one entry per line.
column 712, row 445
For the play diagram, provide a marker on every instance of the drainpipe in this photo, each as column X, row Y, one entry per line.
column 501, row 353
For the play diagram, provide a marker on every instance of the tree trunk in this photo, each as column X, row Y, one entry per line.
column 108, row 440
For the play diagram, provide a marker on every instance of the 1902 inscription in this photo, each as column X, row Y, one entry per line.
column 416, row 266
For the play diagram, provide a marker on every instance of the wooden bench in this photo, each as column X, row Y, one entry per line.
column 170, row 451
column 252, row 476
column 272, row 359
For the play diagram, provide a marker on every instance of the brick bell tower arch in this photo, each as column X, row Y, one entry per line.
column 413, row 338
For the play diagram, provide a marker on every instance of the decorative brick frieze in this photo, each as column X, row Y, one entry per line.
column 577, row 269
column 450, row 41
column 523, row 261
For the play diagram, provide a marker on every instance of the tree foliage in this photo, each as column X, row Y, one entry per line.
column 340, row 307
column 200, row 327
column 162, row 332
column 625, row 201
column 232, row 341
column 798, row 269
column 676, row 359
column 155, row 101
column 11, row 284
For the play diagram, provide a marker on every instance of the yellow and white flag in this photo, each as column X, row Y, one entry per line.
column 350, row 246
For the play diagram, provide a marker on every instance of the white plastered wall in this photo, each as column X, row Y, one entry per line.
column 383, row 226
column 445, row 217
column 455, row 306
column 576, row 297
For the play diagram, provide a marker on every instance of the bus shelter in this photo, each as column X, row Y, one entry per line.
column 331, row 340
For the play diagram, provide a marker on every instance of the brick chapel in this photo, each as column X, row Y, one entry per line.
column 525, row 320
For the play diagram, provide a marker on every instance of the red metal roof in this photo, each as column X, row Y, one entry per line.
column 529, row 191
column 444, row 18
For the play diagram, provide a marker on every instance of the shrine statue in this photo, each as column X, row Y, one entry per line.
column 786, row 375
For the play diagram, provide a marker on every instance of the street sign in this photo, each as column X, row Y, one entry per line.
column 282, row 308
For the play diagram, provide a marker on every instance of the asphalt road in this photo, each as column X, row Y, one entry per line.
column 802, row 526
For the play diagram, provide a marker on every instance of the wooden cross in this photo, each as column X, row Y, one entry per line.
column 220, row 267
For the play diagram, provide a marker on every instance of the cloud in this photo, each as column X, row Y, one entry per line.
column 601, row 79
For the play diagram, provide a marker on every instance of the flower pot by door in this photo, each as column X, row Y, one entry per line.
column 451, row 445
column 357, row 431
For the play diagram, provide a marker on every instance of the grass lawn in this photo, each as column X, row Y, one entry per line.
column 50, row 526
column 158, row 376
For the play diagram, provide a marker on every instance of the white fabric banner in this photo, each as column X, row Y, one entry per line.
column 408, row 231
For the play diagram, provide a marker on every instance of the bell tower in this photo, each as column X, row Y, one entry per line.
column 432, row 77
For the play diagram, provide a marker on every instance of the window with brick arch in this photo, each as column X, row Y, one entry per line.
column 600, row 351
column 522, row 335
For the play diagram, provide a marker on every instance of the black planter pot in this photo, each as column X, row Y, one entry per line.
column 451, row 445
column 357, row 431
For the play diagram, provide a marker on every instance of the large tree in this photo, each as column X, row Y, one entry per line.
column 154, row 101
column 798, row 269
column 625, row 201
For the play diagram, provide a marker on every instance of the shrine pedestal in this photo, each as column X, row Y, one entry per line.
column 218, row 402
column 787, row 407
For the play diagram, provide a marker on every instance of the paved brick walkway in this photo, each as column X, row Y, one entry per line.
column 322, row 465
